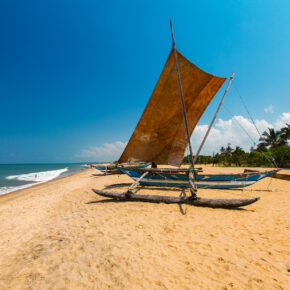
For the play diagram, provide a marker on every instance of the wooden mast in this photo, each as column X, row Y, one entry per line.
column 191, row 181
column 212, row 122
column 181, row 98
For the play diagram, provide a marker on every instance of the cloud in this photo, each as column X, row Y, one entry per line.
column 107, row 152
column 269, row 109
column 222, row 133
column 230, row 131
column 282, row 120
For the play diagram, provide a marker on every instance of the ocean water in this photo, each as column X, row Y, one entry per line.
column 18, row 176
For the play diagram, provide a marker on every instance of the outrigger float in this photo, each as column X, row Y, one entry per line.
column 163, row 134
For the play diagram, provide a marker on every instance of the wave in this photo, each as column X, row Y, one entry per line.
column 33, row 178
column 41, row 176
column 7, row 189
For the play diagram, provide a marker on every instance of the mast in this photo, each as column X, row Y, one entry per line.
column 212, row 122
column 181, row 98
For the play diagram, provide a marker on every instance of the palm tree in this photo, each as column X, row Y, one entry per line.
column 271, row 138
column 228, row 152
column 237, row 155
column 285, row 134
column 261, row 147
column 239, row 151
column 222, row 156
column 223, row 150
column 229, row 149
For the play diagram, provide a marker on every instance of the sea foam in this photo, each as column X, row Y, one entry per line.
column 33, row 177
column 41, row 176
column 7, row 189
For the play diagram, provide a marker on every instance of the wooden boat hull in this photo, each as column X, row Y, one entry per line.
column 180, row 179
column 204, row 202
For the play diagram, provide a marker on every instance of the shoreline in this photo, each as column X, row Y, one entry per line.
column 13, row 188
column 19, row 192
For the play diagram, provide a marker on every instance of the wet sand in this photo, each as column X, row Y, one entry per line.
column 60, row 235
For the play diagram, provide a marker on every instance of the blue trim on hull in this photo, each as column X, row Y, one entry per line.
column 202, row 181
column 186, row 185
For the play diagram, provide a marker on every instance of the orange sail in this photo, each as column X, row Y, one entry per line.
column 160, row 136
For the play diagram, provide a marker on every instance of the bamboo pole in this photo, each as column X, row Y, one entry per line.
column 191, row 180
column 213, row 120
column 181, row 97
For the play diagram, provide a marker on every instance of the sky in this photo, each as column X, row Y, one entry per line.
column 75, row 76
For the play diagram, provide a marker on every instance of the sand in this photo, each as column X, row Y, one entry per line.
column 60, row 235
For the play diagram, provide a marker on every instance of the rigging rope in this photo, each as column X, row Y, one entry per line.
column 234, row 118
column 246, row 108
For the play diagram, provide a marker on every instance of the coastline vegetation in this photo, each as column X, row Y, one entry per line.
column 272, row 149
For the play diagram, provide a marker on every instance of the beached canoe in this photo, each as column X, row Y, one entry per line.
column 112, row 168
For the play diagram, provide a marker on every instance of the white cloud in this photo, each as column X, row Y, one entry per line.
column 269, row 109
column 282, row 120
column 229, row 131
column 107, row 152
column 222, row 133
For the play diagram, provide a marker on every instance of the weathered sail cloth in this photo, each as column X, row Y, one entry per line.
column 159, row 136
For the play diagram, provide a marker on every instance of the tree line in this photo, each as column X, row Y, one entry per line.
column 272, row 149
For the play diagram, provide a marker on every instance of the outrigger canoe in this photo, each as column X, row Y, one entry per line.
column 179, row 99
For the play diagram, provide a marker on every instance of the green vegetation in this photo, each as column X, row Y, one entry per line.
column 273, row 147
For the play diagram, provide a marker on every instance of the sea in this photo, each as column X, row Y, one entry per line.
column 18, row 176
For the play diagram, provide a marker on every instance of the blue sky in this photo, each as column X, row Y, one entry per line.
column 76, row 75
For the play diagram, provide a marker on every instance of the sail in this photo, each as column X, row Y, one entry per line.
column 160, row 136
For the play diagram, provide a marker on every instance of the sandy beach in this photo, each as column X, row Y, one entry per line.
column 60, row 235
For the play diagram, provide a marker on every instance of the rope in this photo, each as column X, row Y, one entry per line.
column 270, row 181
column 234, row 118
column 246, row 108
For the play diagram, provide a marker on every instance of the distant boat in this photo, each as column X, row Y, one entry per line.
column 112, row 168
column 87, row 166
column 179, row 99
